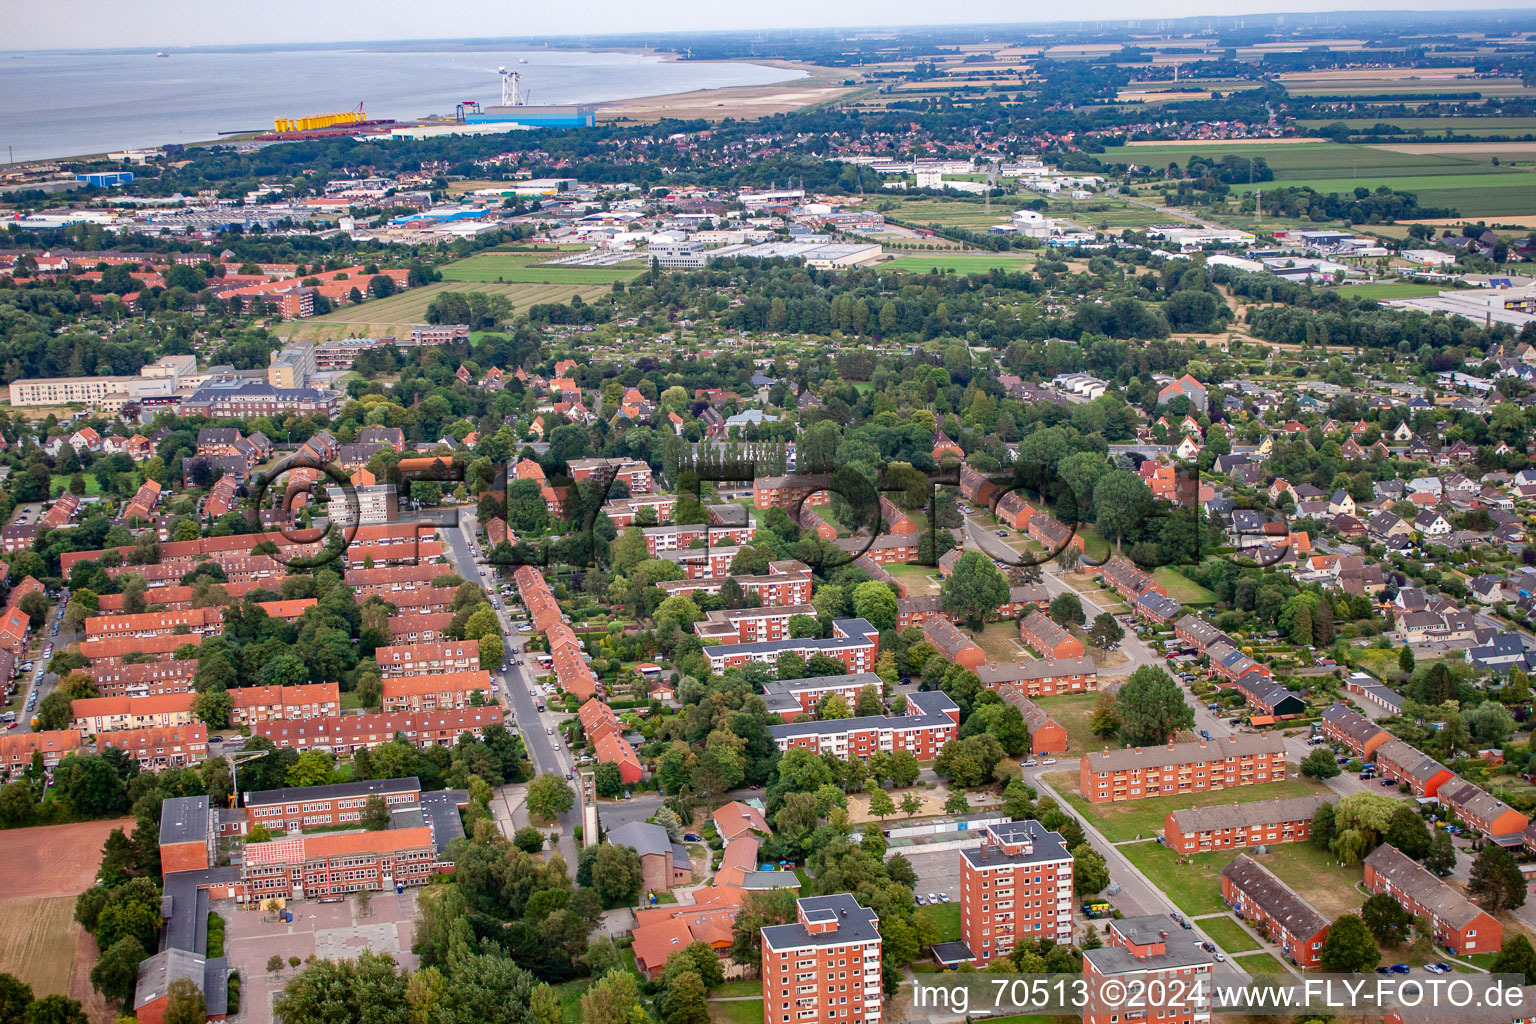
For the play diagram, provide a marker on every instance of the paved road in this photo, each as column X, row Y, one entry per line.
column 40, row 680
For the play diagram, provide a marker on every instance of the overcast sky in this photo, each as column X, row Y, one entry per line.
column 85, row 24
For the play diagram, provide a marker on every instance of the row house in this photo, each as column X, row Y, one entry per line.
column 254, row 704
column 606, row 733
column 1138, row 773
column 419, row 628
column 1231, row 664
column 173, row 598
column 1013, row 511
column 1014, row 887
column 749, row 625
column 1199, row 634
column 1480, row 809
column 952, row 644
column 144, row 678
column 338, row 864
column 894, row 521
column 94, row 715
column 1124, row 578
column 1052, row 534
column 422, row 601
column 1237, row 825
column 1403, row 763
column 1046, row 735
column 1043, row 678
column 16, row 749
column 345, row 735
column 386, row 581
column 155, row 623
column 1159, row 608
column 1460, row 925
column 1049, row 639
column 854, row 642
column 931, row 720
column 294, row 808
column 142, row 504
column 789, row 492
column 791, row 698
column 437, row 692
column 1021, row 599
column 1276, row 910
column 1343, row 724
column 428, row 659
column 160, row 747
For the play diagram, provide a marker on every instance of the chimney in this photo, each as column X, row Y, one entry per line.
column 1170, row 744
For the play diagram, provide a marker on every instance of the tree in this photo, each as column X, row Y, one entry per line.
column 493, row 652
column 1105, row 720
column 682, row 1002
column 881, row 805
column 613, row 999
column 1441, row 859
column 370, row 690
column 528, row 839
column 617, row 875
column 117, row 970
column 376, row 816
column 1320, row 764
column 1516, row 957
column 1386, row 919
column 975, row 590
column 956, row 803
column 1122, row 504
column 1152, row 708
column 258, row 833
column 61, row 1010
column 214, row 707
column 1067, row 610
column 549, row 797
column 1090, row 874
column 55, row 711
column 184, row 1003
column 1496, row 882
column 1405, row 660
column 874, row 601
column 609, row 781
column 1349, row 948
column 911, row 803
column 1106, row 633
column 1408, row 833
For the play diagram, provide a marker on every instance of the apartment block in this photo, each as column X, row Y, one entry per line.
column 1460, row 925
column 1496, row 820
column 1404, row 763
column 1136, row 774
column 172, row 746
column 749, row 625
column 254, row 704
column 1146, row 952
column 423, row 659
column 1236, row 825
column 1043, row 678
column 790, row 698
column 1275, row 909
column 94, row 715
column 144, row 679
column 338, row 863
column 854, row 642
column 1047, row 638
column 787, row 582
column 636, row 475
column 1015, row 886
column 788, row 492
column 436, row 692
column 347, row 734
column 16, row 749
column 824, row 967
column 932, row 719
column 1343, row 724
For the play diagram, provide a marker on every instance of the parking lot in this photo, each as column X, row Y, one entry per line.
column 327, row 930
column 937, row 872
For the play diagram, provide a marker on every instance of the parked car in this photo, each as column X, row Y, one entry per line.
column 1028, row 764
column 1438, row 967
column 1399, row 969
column 1048, row 760
column 943, row 897
column 919, row 900
column 932, row 898
column 1389, row 782
column 689, row 837
column 1114, row 890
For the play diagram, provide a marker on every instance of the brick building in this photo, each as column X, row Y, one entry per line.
column 1047, row 638
column 1460, row 925
column 338, row 863
column 94, row 715
column 301, row 807
column 1275, row 909
column 1148, row 951
column 1403, row 763
column 1015, row 886
column 173, row 746
column 1043, row 678
column 1138, row 773
column 346, row 734
column 854, row 642
column 427, row 659
column 436, row 693
column 824, row 967
column 1235, row 825
column 1345, row 725
column 932, row 719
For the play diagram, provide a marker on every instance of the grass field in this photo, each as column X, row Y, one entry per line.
column 1195, row 885
column 961, row 263
column 946, row 917
column 958, row 213
column 1001, row 641
column 60, row 483
column 1181, row 588
column 37, row 942
column 1227, row 933
column 1072, row 712
column 1129, row 818
column 1389, row 290
column 1261, row 963
column 397, row 314
column 1194, row 888
column 737, row 1011
column 527, row 268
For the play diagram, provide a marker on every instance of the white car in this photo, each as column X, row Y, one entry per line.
column 1048, row 760
column 1028, row 764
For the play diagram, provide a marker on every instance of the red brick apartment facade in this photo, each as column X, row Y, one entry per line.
column 435, row 693
column 55, row 745
column 788, row 491
column 1235, row 825
column 854, row 642
column 1403, row 763
column 428, row 658
column 347, row 734
column 824, row 968
column 1145, row 951
column 1345, row 725
column 1460, row 925
column 787, row 582
column 1043, row 678
column 750, row 625
column 1240, row 760
column 419, row 629
column 1047, row 638
column 178, row 746
column 932, row 720
column 1016, row 885
column 142, row 680
column 1275, row 909
column 807, row 693
column 295, row 808
column 954, row 645
column 312, row 867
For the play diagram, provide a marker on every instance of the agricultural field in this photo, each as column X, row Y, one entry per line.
column 397, row 314
column 1131, row 818
column 1432, row 126
column 1486, row 195
column 528, row 268
column 955, row 213
column 37, row 942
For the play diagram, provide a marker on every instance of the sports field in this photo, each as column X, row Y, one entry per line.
column 527, row 268
column 961, row 263
column 397, row 314
column 1390, row 290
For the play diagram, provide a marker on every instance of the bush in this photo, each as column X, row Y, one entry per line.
column 234, row 993
column 215, row 935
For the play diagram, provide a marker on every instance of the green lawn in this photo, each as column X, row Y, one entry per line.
column 957, row 213
column 1181, row 588
column 1432, row 126
column 1072, row 712
column 527, row 268
column 1227, row 933
column 1261, row 963
column 740, row 987
column 946, row 916
column 961, row 263
column 1195, row 888
column 742, row 1011
column 60, row 483
column 1129, row 818
column 1390, row 290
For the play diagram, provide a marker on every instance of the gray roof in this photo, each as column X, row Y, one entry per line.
column 1274, row 897
column 1443, row 903
column 184, row 819
column 854, row 924
column 299, row 794
column 643, row 837
column 186, row 919
column 1242, row 815
column 1014, row 671
column 441, row 809
column 1352, row 723
column 1046, row 846
column 1412, row 760
column 1216, row 749
column 210, row 976
column 1180, row 947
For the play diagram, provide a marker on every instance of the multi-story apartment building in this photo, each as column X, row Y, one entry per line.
column 347, row 734
column 787, row 582
column 419, row 629
column 787, row 492
column 363, row 505
column 932, row 719
column 1459, row 924
column 338, row 863
column 699, row 563
column 112, row 650
column 94, row 715
column 1043, row 678
column 1142, row 772
column 1402, row 762
column 749, row 625
column 791, row 698
column 1047, row 638
column 1235, row 825
column 254, row 704
column 175, row 746
column 625, row 512
column 232, row 398
column 300, row 807
column 854, row 642
column 387, row 581
column 661, row 539
column 1016, row 885
column 428, row 658
column 54, row 744
column 142, row 680
column 1146, row 951
column 437, row 692
column 1343, row 724
column 636, row 475
column 824, row 967
column 1495, row 819
column 1275, row 909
